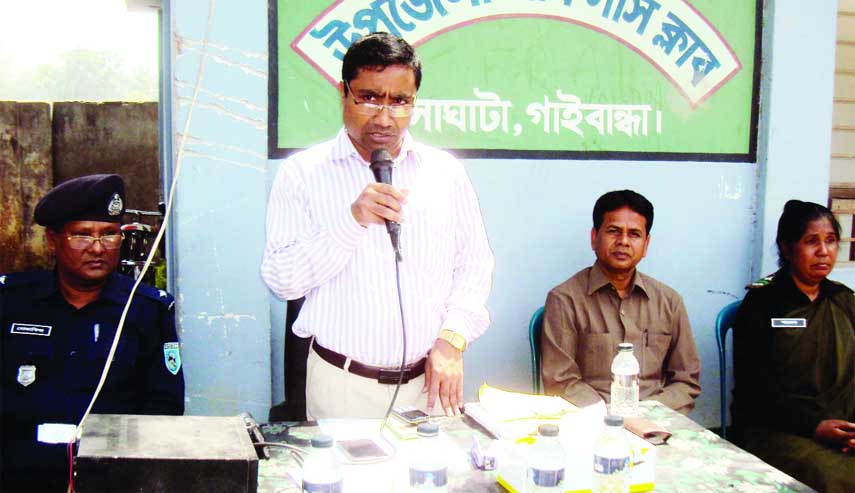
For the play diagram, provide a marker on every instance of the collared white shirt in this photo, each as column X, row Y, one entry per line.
column 315, row 248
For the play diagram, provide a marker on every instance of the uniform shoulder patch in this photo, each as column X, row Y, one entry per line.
column 762, row 282
column 172, row 357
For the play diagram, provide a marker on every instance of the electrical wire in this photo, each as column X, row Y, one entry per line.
column 403, row 338
column 166, row 216
column 298, row 453
column 70, row 452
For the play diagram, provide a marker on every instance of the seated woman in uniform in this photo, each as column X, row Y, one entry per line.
column 794, row 357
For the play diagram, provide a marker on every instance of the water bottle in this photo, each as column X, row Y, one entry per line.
column 624, row 392
column 428, row 463
column 321, row 469
column 546, row 463
column 611, row 459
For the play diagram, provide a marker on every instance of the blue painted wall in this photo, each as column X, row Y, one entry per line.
column 713, row 230
column 219, row 105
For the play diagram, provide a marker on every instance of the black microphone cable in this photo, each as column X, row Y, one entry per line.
column 403, row 339
column 381, row 166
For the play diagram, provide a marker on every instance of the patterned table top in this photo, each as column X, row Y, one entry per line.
column 697, row 460
column 694, row 460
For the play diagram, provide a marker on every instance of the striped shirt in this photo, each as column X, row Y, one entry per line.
column 315, row 248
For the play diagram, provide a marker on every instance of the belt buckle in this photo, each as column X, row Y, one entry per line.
column 390, row 376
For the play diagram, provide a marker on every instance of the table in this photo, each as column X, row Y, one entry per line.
column 697, row 460
column 694, row 460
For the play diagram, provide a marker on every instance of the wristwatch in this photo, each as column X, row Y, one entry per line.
column 453, row 338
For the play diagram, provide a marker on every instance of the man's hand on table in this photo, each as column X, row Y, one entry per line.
column 444, row 377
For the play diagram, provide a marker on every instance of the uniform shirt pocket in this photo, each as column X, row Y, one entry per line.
column 653, row 358
column 85, row 366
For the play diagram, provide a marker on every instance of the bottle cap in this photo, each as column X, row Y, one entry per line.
column 613, row 420
column 547, row 430
column 428, row 429
column 625, row 346
column 322, row 441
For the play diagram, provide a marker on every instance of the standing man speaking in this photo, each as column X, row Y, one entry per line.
column 326, row 240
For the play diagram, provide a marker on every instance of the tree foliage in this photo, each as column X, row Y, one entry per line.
column 81, row 75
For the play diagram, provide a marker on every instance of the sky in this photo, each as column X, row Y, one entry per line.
column 35, row 32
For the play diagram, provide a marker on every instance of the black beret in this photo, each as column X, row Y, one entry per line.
column 88, row 198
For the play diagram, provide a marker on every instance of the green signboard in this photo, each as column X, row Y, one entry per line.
column 580, row 79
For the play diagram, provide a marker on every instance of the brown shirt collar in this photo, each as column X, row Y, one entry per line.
column 597, row 280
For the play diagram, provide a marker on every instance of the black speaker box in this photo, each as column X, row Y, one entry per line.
column 153, row 454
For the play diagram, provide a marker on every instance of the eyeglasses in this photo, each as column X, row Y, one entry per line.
column 82, row 242
column 371, row 109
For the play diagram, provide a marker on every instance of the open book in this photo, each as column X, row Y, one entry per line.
column 515, row 415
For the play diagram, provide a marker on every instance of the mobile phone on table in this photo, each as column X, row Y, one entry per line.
column 362, row 450
column 410, row 414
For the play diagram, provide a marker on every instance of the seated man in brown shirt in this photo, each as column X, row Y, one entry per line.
column 610, row 302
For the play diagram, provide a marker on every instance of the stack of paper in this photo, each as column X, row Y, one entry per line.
column 514, row 415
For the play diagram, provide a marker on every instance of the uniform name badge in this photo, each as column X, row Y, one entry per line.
column 789, row 323
column 26, row 374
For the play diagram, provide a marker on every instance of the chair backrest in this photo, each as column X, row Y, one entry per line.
column 296, row 352
column 723, row 323
column 534, row 328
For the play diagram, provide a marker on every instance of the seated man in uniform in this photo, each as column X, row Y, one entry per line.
column 57, row 329
column 611, row 302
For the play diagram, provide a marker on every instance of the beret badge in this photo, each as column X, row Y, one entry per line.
column 115, row 206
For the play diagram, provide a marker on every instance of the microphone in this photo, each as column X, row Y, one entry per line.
column 381, row 166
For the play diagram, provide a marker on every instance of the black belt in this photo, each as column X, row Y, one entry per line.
column 382, row 375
